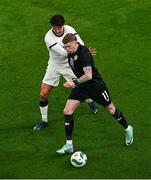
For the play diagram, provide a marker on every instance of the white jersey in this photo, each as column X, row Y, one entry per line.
column 58, row 62
column 57, row 54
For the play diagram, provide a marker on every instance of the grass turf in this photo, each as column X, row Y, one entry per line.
column 120, row 30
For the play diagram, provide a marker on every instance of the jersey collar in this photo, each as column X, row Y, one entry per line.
column 57, row 35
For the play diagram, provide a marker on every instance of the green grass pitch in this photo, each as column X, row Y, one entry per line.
column 121, row 32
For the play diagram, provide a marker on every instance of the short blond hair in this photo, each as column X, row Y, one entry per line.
column 69, row 38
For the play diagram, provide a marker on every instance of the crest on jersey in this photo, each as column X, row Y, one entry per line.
column 72, row 59
column 75, row 57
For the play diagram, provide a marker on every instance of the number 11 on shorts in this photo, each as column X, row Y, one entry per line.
column 106, row 96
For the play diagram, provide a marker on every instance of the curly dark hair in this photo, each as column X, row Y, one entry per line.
column 57, row 20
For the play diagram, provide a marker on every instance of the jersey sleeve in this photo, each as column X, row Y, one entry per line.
column 49, row 41
column 59, row 50
column 52, row 45
column 86, row 58
column 79, row 39
column 73, row 31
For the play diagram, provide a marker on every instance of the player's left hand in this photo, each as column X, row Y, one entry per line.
column 92, row 51
column 69, row 84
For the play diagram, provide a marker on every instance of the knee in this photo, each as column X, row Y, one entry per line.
column 43, row 95
column 111, row 110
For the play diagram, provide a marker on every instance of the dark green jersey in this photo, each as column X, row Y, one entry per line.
column 80, row 59
column 95, row 88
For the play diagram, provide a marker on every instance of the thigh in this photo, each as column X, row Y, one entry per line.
column 78, row 93
column 71, row 106
column 100, row 94
column 46, row 88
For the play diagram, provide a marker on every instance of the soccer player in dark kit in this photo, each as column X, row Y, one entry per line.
column 88, row 83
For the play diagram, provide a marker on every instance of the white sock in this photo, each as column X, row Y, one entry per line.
column 128, row 128
column 44, row 112
column 69, row 142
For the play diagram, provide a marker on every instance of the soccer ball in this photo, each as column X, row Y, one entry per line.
column 78, row 159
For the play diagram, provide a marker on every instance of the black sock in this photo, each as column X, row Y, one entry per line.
column 120, row 118
column 43, row 103
column 69, row 124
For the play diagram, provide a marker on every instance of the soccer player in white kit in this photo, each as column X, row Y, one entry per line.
column 57, row 66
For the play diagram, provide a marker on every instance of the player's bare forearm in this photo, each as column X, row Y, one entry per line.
column 87, row 76
column 83, row 79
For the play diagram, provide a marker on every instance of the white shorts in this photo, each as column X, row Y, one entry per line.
column 54, row 72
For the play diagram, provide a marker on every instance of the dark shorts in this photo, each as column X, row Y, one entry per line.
column 96, row 90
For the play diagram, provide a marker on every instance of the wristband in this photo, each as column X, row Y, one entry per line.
column 75, row 81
